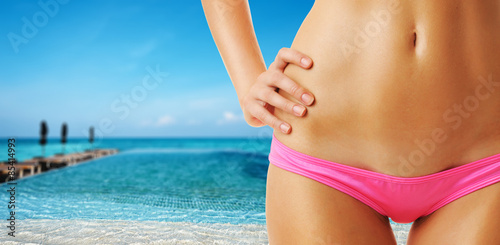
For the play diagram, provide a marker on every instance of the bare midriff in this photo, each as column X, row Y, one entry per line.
column 405, row 88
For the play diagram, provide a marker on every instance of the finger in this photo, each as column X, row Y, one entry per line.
column 254, row 122
column 249, row 118
column 267, row 118
column 262, row 103
column 276, row 100
column 290, row 56
column 286, row 84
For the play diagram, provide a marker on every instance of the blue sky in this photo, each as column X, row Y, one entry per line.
column 96, row 63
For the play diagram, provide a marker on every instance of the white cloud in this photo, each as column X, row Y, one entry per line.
column 229, row 117
column 165, row 120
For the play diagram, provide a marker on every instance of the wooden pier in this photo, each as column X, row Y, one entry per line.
column 39, row 165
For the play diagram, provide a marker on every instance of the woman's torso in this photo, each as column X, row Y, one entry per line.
column 406, row 88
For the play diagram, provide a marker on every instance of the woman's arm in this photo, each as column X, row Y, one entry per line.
column 231, row 26
column 232, row 29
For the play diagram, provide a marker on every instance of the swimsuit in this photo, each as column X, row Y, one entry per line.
column 402, row 199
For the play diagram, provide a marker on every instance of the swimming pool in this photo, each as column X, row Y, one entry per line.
column 178, row 185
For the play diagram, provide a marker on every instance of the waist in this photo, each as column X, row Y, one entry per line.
column 420, row 91
column 382, row 129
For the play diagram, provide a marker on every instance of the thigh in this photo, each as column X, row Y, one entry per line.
column 303, row 211
column 471, row 219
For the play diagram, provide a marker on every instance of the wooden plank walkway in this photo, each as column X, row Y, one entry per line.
column 38, row 165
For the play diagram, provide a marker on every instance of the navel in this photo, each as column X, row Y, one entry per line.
column 419, row 40
column 414, row 39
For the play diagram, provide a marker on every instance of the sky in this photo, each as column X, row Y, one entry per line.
column 129, row 68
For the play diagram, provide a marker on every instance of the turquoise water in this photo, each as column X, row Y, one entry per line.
column 28, row 148
column 180, row 180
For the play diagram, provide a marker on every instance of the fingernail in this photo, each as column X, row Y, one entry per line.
column 305, row 61
column 308, row 99
column 299, row 110
column 284, row 128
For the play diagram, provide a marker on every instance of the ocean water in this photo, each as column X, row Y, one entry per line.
column 157, row 191
column 29, row 148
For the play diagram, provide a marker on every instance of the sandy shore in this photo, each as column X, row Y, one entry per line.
column 45, row 231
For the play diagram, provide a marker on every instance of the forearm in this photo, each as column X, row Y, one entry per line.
column 231, row 25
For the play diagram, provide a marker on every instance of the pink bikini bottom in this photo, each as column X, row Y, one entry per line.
column 402, row 199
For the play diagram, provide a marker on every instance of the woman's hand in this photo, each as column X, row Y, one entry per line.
column 231, row 25
column 259, row 103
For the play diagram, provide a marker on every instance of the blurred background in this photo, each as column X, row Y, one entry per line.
column 96, row 63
